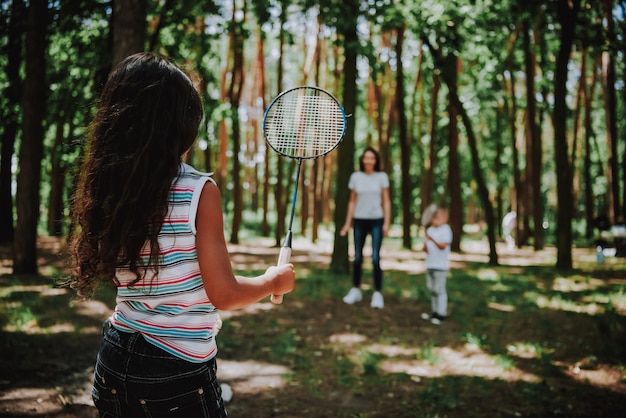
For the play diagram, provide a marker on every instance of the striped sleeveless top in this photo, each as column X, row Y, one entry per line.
column 172, row 310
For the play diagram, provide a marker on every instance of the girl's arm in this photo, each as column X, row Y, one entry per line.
column 386, row 211
column 349, row 213
column 225, row 290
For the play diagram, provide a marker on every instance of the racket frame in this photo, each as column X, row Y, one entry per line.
column 285, row 250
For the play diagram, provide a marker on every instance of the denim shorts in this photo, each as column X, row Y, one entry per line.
column 135, row 379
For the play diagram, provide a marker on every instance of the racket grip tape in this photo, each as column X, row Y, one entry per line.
column 283, row 258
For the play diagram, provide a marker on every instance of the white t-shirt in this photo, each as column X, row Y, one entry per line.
column 369, row 194
column 437, row 259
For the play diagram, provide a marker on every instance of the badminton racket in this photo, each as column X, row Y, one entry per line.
column 302, row 123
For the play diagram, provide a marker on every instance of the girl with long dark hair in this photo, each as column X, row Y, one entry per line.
column 153, row 227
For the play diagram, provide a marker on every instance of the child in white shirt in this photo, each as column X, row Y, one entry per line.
column 437, row 248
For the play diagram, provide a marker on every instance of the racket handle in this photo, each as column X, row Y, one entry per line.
column 283, row 258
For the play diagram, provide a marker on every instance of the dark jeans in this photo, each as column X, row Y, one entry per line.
column 135, row 379
column 362, row 227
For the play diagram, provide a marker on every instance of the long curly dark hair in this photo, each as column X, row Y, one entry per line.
column 147, row 117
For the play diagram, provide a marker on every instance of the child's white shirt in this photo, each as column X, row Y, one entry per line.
column 437, row 259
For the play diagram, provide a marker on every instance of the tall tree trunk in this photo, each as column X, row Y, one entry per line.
column 260, row 95
column 610, row 110
column 530, row 137
column 416, row 124
column 448, row 75
column 221, row 172
column 516, row 198
column 306, row 183
column 566, row 12
column 483, row 191
column 129, row 28
column 57, row 180
column 391, row 121
column 31, row 149
column 537, row 151
column 10, row 117
column 317, row 168
column 500, row 167
column 338, row 57
column 622, row 30
column 234, row 96
column 428, row 179
column 577, row 122
column 345, row 162
column 589, row 137
column 378, row 103
column 279, row 188
column 454, row 167
column 405, row 146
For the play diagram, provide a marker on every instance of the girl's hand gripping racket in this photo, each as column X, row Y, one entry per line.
column 301, row 123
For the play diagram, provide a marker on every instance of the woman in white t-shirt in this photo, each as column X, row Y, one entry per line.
column 369, row 212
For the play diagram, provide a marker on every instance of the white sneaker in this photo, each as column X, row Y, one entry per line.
column 377, row 301
column 437, row 319
column 353, row 296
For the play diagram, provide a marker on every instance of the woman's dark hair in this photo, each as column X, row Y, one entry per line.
column 377, row 165
column 148, row 116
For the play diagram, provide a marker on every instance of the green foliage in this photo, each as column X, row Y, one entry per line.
column 485, row 36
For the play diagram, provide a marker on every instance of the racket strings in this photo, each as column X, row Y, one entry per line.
column 304, row 126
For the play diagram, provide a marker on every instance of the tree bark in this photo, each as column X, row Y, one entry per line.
column 530, row 136
column 589, row 138
column 129, row 28
column 57, row 181
column 405, row 146
column 234, row 96
column 516, row 198
column 579, row 105
column 610, row 108
column 279, row 187
column 345, row 161
column 307, row 185
column 566, row 12
column 415, row 131
column 31, row 149
column 10, row 117
column 317, row 168
column 449, row 74
column 428, row 179
column 260, row 95
column 483, row 191
column 534, row 158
